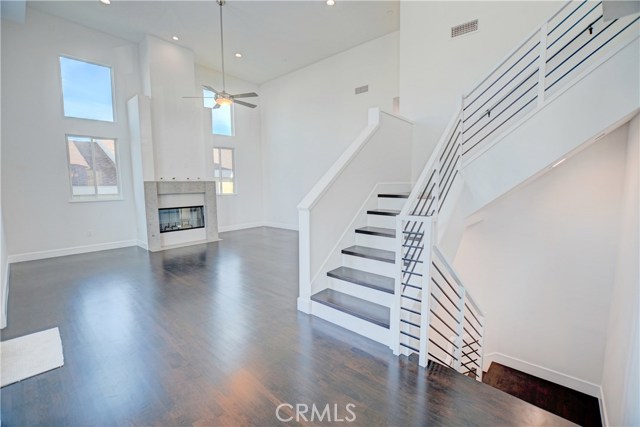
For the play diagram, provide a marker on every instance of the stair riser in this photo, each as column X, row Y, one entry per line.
column 391, row 203
column 381, row 221
column 352, row 323
column 366, row 264
column 362, row 292
column 378, row 242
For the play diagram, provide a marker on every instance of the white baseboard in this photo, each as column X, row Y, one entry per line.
column 603, row 409
column 31, row 256
column 5, row 296
column 281, row 225
column 143, row 245
column 304, row 305
column 235, row 227
column 545, row 373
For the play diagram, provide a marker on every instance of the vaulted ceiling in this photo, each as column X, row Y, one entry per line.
column 274, row 37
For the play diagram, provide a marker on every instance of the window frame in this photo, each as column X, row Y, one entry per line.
column 233, row 168
column 232, row 116
column 94, row 197
column 113, row 89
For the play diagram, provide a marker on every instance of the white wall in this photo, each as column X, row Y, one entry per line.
column 37, row 211
column 310, row 116
column 244, row 208
column 621, row 375
column 169, row 75
column 541, row 264
column 435, row 70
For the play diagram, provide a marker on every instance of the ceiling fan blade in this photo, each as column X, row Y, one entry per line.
column 199, row 97
column 215, row 106
column 244, row 95
column 246, row 104
column 210, row 89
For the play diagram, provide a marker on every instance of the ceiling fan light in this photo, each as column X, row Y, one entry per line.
column 330, row 2
column 224, row 101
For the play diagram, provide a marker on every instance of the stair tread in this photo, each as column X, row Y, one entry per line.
column 388, row 212
column 377, row 231
column 364, row 278
column 365, row 310
column 372, row 253
column 395, row 195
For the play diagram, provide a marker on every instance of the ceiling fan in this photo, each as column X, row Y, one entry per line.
column 222, row 97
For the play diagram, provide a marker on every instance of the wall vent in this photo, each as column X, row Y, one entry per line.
column 466, row 28
column 362, row 89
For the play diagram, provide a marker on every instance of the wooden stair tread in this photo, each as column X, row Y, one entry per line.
column 371, row 253
column 385, row 212
column 365, row 310
column 394, row 195
column 363, row 278
column 377, row 231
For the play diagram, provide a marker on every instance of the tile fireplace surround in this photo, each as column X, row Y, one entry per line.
column 155, row 190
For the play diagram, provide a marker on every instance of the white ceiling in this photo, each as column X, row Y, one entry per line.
column 275, row 37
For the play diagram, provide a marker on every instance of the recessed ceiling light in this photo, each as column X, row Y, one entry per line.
column 558, row 163
column 175, row 38
column 105, row 1
column 238, row 55
column 331, row 2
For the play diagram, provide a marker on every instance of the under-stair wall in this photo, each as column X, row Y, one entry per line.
column 380, row 154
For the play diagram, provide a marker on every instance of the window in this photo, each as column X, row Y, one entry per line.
column 223, row 170
column 221, row 118
column 87, row 92
column 93, row 168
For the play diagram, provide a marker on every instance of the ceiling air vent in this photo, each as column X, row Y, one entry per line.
column 362, row 89
column 466, row 28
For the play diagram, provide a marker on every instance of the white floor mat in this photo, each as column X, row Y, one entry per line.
column 30, row 355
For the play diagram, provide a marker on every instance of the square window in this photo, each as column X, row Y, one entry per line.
column 221, row 117
column 93, row 168
column 87, row 90
column 224, row 170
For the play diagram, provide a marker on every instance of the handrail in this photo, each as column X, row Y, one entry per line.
column 424, row 175
column 313, row 196
column 451, row 271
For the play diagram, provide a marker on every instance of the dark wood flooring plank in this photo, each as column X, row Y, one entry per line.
column 210, row 335
column 570, row 404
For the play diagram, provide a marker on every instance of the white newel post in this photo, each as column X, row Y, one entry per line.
column 304, row 258
column 425, row 305
column 395, row 308
column 542, row 69
column 459, row 342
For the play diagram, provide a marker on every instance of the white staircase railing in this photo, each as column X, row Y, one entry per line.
column 433, row 314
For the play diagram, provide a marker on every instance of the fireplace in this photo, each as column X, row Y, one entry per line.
column 187, row 206
column 181, row 218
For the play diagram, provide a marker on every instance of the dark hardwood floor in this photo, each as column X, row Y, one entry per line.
column 210, row 335
column 570, row 404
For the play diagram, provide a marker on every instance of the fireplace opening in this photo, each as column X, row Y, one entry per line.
column 182, row 218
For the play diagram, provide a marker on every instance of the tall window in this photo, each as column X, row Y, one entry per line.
column 93, row 168
column 224, row 170
column 221, row 118
column 87, row 91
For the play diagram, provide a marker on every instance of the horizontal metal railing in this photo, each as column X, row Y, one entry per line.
column 563, row 46
column 436, row 317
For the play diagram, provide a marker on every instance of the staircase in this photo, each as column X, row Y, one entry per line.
column 361, row 289
column 569, row 81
